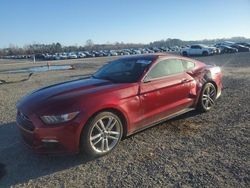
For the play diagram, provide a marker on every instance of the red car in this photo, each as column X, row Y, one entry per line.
column 123, row 97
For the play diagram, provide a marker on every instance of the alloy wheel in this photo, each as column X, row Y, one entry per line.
column 208, row 96
column 105, row 134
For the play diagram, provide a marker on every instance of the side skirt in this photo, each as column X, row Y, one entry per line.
column 162, row 120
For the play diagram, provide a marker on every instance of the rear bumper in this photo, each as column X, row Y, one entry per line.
column 218, row 93
column 218, row 80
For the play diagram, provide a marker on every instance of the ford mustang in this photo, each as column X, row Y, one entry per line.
column 121, row 98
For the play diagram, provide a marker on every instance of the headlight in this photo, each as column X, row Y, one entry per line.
column 59, row 118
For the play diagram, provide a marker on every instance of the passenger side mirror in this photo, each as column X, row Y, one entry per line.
column 190, row 72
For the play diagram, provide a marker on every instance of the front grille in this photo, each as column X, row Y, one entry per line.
column 25, row 122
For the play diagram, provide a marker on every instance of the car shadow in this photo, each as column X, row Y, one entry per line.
column 2, row 170
column 18, row 164
column 184, row 116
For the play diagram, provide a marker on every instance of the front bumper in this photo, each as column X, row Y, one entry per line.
column 62, row 138
column 212, row 52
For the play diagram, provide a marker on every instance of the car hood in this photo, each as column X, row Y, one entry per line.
column 63, row 94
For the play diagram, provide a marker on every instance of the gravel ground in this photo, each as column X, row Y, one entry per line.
column 193, row 150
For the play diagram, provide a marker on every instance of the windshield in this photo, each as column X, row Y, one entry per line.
column 123, row 70
column 203, row 45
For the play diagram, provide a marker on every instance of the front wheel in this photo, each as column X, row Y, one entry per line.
column 101, row 134
column 184, row 53
column 207, row 97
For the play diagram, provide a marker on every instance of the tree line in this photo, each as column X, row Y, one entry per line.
column 58, row 48
column 90, row 46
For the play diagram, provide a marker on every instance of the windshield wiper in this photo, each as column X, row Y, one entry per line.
column 108, row 78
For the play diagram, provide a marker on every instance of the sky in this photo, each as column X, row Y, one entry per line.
column 72, row 22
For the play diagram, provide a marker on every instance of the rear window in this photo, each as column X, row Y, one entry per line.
column 166, row 68
column 188, row 64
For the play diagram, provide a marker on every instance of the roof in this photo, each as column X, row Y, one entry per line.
column 150, row 56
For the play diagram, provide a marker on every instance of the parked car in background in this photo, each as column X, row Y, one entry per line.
column 103, row 53
column 60, row 56
column 48, row 56
column 97, row 54
column 149, row 51
column 241, row 48
column 81, row 55
column 164, row 49
column 89, row 54
column 185, row 50
column 123, row 97
column 176, row 48
column 156, row 50
column 215, row 49
column 64, row 55
column 40, row 56
column 119, row 52
column 57, row 56
column 198, row 49
column 125, row 52
column 141, row 50
column 135, row 51
column 113, row 53
column 226, row 43
column 227, row 49
column 72, row 55
column 244, row 44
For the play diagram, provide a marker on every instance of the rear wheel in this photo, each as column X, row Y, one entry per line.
column 205, row 53
column 207, row 97
column 101, row 134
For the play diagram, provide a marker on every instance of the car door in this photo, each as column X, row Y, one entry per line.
column 199, row 50
column 192, row 50
column 196, row 50
column 165, row 91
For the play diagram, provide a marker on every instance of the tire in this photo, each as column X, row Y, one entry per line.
column 207, row 97
column 101, row 134
column 184, row 53
column 205, row 53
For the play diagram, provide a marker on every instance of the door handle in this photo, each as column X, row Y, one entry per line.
column 185, row 80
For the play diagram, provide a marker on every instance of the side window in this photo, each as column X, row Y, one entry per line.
column 165, row 68
column 188, row 64
column 195, row 47
column 159, row 70
column 174, row 66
